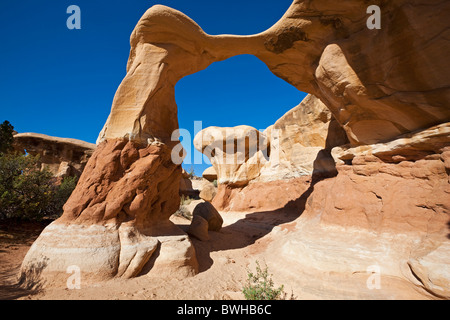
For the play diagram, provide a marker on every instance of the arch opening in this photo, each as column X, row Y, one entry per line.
column 235, row 92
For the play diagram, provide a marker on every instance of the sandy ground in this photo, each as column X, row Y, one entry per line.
column 224, row 263
column 15, row 241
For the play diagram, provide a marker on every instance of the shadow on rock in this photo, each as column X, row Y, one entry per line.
column 254, row 226
column 448, row 224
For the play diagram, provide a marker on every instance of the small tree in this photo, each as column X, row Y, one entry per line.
column 6, row 137
column 260, row 286
column 27, row 193
column 192, row 173
column 60, row 195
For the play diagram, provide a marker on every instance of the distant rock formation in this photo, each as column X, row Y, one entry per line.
column 186, row 187
column 379, row 85
column 237, row 154
column 299, row 144
column 210, row 174
column 61, row 156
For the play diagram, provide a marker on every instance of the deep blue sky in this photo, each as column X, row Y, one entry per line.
column 61, row 82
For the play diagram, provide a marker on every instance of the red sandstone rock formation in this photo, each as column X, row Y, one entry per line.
column 379, row 85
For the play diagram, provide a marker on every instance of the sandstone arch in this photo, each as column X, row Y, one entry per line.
column 117, row 218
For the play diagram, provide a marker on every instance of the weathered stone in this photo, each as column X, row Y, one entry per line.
column 199, row 228
column 385, row 218
column 378, row 84
column 210, row 174
column 411, row 147
column 237, row 154
column 61, row 156
column 208, row 192
column 207, row 211
column 301, row 142
column 125, row 186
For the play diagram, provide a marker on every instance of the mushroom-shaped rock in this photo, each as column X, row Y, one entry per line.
column 237, row 154
column 210, row 174
column 301, row 142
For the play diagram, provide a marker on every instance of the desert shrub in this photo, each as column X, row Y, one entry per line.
column 260, row 286
column 26, row 192
column 183, row 212
column 185, row 200
column 60, row 195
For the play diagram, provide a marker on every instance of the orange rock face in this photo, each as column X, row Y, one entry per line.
column 116, row 219
column 262, row 196
column 393, row 217
column 126, row 182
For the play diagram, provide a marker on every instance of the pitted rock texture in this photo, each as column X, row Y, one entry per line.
column 116, row 218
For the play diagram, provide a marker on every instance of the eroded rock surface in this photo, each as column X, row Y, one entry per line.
column 301, row 142
column 116, row 218
column 374, row 218
column 378, row 84
column 237, row 154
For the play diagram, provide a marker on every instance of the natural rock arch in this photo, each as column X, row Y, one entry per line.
column 118, row 216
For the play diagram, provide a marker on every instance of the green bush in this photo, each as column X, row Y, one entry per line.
column 27, row 193
column 260, row 286
column 60, row 195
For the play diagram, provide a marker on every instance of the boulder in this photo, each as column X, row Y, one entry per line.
column 208, row 192
column 191, row 206
column 199, row 228
column 207, row 211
